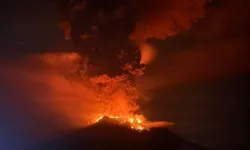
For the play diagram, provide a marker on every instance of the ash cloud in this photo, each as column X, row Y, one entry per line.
column 158, row 19
column 161, row 19
column 154, row 19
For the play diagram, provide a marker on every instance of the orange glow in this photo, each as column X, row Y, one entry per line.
column 114, row 97
column 118, row 97
column 60, row 92
column 126, row 120
column 170, row 18
column 148, row 53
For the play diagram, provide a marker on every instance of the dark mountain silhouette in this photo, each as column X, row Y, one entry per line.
column 108, row 135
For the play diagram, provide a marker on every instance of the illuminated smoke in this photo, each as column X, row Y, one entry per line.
column 154, row 19
column 148, row 53
column 163, row 18
column 52, row 82
column 160, row 19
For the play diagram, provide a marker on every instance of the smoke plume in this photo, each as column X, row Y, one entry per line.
column 160, row 19
column 51, row 96
column 154, row 19
column 163, row 18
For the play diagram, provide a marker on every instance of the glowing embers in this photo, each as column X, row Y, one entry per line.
column 135, row 122
column 118, row 97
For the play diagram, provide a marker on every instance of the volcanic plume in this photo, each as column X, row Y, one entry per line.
column 51, row 80
column 157, row 19
column 164, row 18
column 54, row 83
column 160, row 19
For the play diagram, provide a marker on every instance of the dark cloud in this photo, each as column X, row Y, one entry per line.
column 154, row 19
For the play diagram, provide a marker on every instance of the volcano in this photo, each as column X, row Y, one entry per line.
column 108, row 134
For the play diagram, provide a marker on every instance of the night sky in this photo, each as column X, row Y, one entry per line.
column 200, row 75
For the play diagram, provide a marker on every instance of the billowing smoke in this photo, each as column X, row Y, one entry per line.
column 148, row 53
column 49, row 95
column 164, row 18
column 160, row 19
column 157, row 19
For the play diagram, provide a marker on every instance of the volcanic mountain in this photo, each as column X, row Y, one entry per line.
column 108, row 134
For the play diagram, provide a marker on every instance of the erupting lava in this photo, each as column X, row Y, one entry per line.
column 133, row 122
column 87, row 102
column 118, row 97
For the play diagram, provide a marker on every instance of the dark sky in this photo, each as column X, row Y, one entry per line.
column 30, row 26
column 201, row 74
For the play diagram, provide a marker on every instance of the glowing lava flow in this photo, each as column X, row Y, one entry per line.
column 133, row 122
column 118, row 97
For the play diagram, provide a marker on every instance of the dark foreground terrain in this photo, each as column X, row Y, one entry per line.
column 107, row 135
